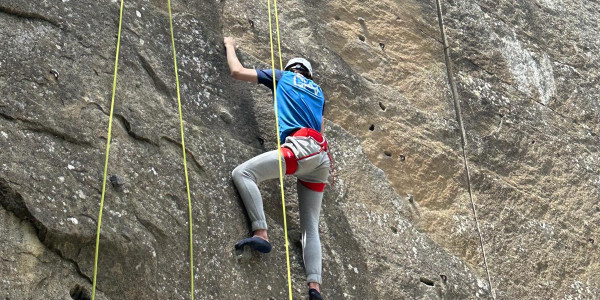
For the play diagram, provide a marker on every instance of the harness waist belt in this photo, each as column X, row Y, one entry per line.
column 309, row 132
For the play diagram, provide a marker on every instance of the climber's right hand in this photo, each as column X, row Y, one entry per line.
column 229, row 42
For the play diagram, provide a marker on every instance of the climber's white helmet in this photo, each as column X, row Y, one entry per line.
column 302, row 61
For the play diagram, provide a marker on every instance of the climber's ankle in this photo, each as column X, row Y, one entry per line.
column 261, row 233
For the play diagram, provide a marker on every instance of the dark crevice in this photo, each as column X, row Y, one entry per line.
column 27, row 15
column 80, row 293
column 131, row 133
column 187, row 151
column 51, row 131
column 39, row 128
column 98, row 106
column 156, row 232
column 160, row 85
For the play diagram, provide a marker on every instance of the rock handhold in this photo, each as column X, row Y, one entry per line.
column 116, row 180
column 427, row 281
column 226, row 116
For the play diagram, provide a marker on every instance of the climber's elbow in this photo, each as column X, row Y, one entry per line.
column 235, row 73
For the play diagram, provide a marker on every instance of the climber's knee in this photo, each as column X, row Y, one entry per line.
column 240, row 172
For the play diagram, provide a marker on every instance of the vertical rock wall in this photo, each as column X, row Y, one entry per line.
column 397, row 225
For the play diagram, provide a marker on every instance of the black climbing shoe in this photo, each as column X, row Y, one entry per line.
column 255, row 243
column 314, row 295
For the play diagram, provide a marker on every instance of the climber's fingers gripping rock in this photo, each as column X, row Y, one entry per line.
column 229, row 41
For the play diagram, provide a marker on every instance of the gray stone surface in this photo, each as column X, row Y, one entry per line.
column 527, row 74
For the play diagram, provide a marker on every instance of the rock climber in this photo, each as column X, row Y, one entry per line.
column 304, row 154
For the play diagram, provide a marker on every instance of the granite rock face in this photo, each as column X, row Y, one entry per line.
column 398, row 223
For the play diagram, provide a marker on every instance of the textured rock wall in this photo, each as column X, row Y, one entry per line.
column 527, row 80
column 527, row 74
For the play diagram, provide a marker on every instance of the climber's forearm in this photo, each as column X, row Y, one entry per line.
column 232, row 60
column 235, row 67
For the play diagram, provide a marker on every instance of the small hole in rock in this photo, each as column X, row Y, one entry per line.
column 251, row 23
column 336, row 17
column 361, row 37
column 372, row 127
column 260, row 141
column 532, row 142
column 382, row 45
column 80, row 293
column 387, row 153
column 444, row 278
column 54, row 73
column 427, row 281
column 402, row 157
column 591, row 241
column 382, row 106
column 394, row 230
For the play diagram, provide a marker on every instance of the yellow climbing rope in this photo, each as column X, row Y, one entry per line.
column 287, row 251
column 110, row 118
column 108, row 151
column 187, row 182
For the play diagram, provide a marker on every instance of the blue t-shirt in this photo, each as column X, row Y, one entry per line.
column 300, row 101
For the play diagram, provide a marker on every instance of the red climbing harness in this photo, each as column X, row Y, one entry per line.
column 291, row 162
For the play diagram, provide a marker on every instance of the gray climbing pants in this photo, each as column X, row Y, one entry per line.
column 312, row 169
